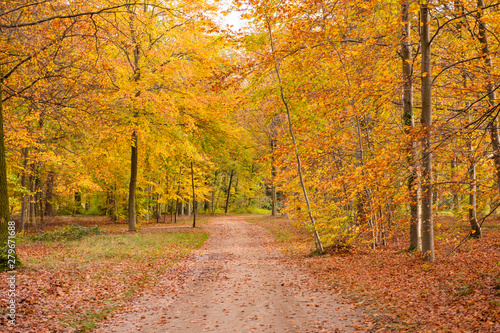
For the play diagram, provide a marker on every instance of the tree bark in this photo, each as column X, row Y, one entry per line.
column 409, row 125
column 456, row 200
column 157, row 209
column 178, row 192
column 426, row 120
column 132, row 217
column 172, row 210
column 133, row 184
column 364, row 195
column 32, row 196
column 213, row 192
column 475, row 227
column 490, row 89
column 4, row 195
column 49, row 194
column 24, row 201
column 229, row 191
column 194, row 196
column 274, row 169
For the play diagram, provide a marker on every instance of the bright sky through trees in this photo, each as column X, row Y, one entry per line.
column 229, row 15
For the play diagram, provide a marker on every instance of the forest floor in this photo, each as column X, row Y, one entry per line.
column 257, row 276
column 68, row 285
column 238, row 281
column 459, row 292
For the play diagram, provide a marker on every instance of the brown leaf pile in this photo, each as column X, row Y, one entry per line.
column 457, row 293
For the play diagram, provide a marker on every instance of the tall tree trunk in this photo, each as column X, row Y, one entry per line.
column 426, row 120
column 157, row 209
column 409, row 125
column 194, row 196
column 41, row 206
column 24, row 201
column 172, row 210
column 166, row 202
column 475, row 227
column 32, row 198
column 317, row 240
column 229, row 191
column 178, row 192
column 213, row 192
column 274, row 169
column 176, row 210
column 132, row 217
column 364, row 195
column 133, row 184
column 274, row 200
column 490, row 89
column 4, row 195
column 114, row 217
column 49, row 194
column 454, row 190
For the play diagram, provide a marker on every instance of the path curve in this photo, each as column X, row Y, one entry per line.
column 237, row 282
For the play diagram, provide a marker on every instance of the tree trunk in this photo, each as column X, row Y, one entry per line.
column 229, row 191
column 475, row 228
column 213, row 192
column 176, row 210
column 319, row 245
column 426, row 120
column 274, row 199
column 132, row 216
column 172, row 210
column 133, row 184
column 24, row 201
column 166, row 202
column 409, row 125
column 178, row 192
column 490, row 89
column 32, row 197
column 157, row 209
column 194, row 196
column 364, row 195
column 4, row 195
column 454, row 190
column 49, row 194
column 41, row 206
column 114, row 217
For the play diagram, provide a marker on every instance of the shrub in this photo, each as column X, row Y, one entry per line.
column 67, row 233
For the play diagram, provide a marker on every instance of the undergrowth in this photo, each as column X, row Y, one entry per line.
column 67, row 233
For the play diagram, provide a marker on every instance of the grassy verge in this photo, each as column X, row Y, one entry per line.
column 69, row 285
column 457, row 293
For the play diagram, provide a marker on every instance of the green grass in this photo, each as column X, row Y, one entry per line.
column 104, row 262
column 67, row 233
column 90, row 320
column 251, row 210
column 141, row 247
column 136, row 246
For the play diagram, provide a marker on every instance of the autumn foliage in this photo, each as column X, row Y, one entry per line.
column 365, row 122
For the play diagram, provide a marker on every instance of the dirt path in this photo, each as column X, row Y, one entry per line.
column 237, row 281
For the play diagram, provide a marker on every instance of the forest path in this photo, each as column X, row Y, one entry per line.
column 237, row 281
